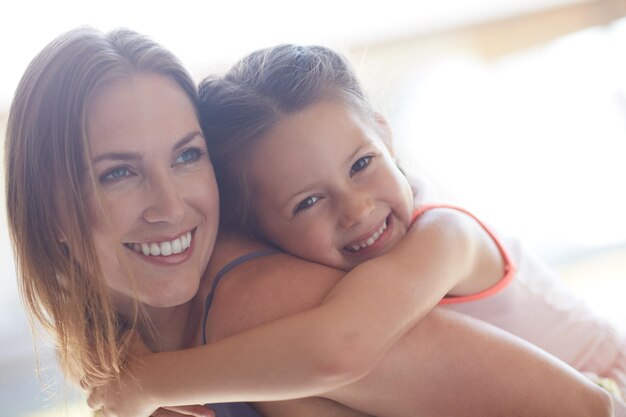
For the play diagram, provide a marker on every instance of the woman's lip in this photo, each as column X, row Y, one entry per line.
column 169, row 260
column 163, row 238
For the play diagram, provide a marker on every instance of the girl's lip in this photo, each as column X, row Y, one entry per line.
column 377, row 245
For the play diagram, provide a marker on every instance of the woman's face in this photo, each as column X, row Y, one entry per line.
column 154, row 209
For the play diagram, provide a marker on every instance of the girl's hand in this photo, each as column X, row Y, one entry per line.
column 125, row 396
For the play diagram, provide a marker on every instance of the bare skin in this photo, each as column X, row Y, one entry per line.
column 444, row 357
column 416, row 375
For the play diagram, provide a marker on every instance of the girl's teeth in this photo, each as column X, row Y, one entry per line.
column 370, row 241
column 173, row 247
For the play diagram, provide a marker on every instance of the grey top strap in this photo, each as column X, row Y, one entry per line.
column 229, row 266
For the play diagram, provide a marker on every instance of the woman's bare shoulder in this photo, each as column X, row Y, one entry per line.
column 264, row 288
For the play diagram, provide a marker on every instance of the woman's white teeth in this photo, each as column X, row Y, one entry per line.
column 167, row 248
column 370, row 240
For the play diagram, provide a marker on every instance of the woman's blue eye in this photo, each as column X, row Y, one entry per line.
column 306, row 203
column 115, row 174
column 360, row 164
column 188, row 156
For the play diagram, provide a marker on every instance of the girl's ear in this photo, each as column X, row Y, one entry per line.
column 383, row 128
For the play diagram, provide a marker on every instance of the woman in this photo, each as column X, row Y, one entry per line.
column 113, row 215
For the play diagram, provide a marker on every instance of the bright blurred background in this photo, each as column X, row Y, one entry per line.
column 515, row 109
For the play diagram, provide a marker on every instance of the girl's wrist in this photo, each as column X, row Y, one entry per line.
column 150, row 384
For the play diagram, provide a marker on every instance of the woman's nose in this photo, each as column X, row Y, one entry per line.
column 355, row 208
column 165, row 201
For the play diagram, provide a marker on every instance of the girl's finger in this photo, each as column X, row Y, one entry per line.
column 188, row 410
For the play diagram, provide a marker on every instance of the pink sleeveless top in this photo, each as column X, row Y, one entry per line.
column 531, row 302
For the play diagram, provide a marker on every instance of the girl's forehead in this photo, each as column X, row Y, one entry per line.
column 309, row 147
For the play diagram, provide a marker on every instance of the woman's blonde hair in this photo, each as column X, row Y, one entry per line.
column 46, row 171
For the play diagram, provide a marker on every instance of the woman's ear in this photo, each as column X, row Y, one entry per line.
column 383, row 128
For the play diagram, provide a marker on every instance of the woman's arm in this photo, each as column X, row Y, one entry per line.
column 307, row 407
column 454, row 365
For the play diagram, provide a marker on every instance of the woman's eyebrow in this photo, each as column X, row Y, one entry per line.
column 130, row 156
column 186, row 139
column 117, row 156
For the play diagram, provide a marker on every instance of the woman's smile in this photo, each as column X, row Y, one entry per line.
column 163, row 248
column 167, row 252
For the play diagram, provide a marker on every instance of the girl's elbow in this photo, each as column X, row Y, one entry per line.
column 344, row 362
column 600, row 403
column 606, row 404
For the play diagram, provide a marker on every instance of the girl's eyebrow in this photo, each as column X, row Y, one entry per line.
column 309, row 187
column 355, row 153
column 289, row 200
column 306, row 189
column 130, row 156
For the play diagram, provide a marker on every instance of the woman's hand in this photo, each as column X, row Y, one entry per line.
column 188, row 410
column 126, row 397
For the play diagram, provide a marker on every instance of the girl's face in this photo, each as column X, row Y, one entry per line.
column 154, row 209
column 326, row 187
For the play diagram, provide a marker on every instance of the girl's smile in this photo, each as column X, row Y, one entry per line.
column 326, row 187
column 370, row 241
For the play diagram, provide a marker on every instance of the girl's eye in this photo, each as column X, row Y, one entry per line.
column 360, row 164
column 306, row 203
column 189, row 156
column 115, row 174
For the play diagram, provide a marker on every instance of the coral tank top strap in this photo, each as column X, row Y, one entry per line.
column 509, row 265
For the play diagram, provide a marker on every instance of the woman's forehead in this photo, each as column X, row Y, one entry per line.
column 138, row 111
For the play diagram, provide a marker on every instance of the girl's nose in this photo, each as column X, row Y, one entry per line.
column 165, row 202
column 356, row 208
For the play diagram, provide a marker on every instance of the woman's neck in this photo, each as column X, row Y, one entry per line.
column 168, row 327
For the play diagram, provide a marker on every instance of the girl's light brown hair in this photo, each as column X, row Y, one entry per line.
column 239, row 108
column 46, row 173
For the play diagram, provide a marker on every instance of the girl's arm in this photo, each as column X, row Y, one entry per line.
column 325, row 348
column 367, row 312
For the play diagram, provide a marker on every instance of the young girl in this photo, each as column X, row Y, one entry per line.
column 305, row 164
